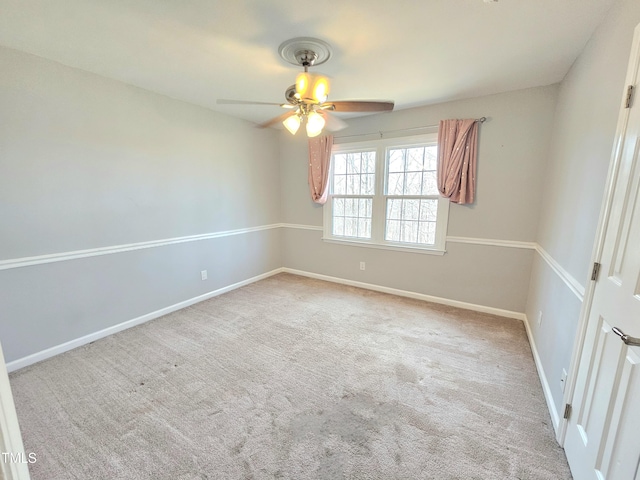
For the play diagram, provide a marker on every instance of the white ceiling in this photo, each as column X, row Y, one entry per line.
column 415, row 52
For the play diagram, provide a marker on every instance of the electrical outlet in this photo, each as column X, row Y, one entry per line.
column 539, row 317
column 363, row 265
column 563, row 380
column 204, row 275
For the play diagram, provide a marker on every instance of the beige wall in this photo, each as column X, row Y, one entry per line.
column 511, row 170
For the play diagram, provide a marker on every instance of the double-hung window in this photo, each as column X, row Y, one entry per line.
column 384, row 193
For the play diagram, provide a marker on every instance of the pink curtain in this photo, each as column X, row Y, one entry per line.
column 319, row 160
column 457, row 159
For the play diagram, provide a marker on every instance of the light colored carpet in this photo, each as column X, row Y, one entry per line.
column 294, row 378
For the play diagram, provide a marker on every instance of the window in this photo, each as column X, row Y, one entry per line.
column 384, row 193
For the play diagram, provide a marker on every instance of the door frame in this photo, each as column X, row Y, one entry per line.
column 10, row 436
column 603, row 221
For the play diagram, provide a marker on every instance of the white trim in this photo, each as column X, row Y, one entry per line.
column 50, row 352
column 10, row 437
column 553, row 411
column 301, row 227
column 408, row 294
column 565, row 276
column 571, row 282
column 93, row 252
column 409, row 248
column 493, row 243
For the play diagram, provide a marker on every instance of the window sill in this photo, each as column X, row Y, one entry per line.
column 383, row 246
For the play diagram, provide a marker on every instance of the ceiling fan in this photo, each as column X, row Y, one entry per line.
column 307, row 100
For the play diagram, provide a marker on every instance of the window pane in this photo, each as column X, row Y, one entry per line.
column 353, row 184
column 339, row 184
column 352, row 217
column 411, row 220
column 350, row 227
column 368, row 210
column 415, row 157
column 396, row 160
column 394, row 209
column 411, row 210
column 368, row 162
column 350, row 207
column 354, row 173
column 339, row 165
column 431, row 158
column 429, row 183
column 409, row 232
column 427, row 234
column 419, row 165
column 364, row 227
column 338, row 226
column 371, row 160
column 395, row 185
column 428, row 210
column 353, row 163
column 393, row 231
column 367, row 184
column 413, row 183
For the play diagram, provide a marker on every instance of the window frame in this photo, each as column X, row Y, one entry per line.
column 378, row 217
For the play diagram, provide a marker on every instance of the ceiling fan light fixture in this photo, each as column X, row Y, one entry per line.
column 292, row 124
column 315, row 124
column 312, row 87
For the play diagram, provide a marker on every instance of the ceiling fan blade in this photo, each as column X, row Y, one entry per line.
column 359, row 106
column 278, row 119
column 333, row 123
column 222, row 101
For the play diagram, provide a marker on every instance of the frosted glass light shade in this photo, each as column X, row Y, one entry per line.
column 312, row 87
column 315, row 124
column 292, row 124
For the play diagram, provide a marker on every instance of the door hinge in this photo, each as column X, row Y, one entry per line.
column 595, row 271
column 567, row 411
column 630, row 89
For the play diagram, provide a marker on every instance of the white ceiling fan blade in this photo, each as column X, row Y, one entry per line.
column 333, row 123
column 278, row 119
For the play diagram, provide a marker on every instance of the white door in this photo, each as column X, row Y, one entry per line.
column 13, row 461
column 603, row 433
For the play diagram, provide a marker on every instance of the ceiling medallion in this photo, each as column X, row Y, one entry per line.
column 305, row 51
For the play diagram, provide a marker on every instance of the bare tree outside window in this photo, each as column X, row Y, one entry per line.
column 411, row 195
column 385, row 193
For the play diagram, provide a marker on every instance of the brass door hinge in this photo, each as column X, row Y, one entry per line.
column 567, row 411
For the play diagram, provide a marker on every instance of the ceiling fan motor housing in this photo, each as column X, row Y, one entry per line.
column 290, row 95
column 306, row 58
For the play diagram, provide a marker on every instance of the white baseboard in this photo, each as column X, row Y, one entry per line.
column 70, row 345
column 553, row 411
column 415, row 295
column 50, row 352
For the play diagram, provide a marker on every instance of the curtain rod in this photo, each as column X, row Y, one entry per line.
column 381, row 133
